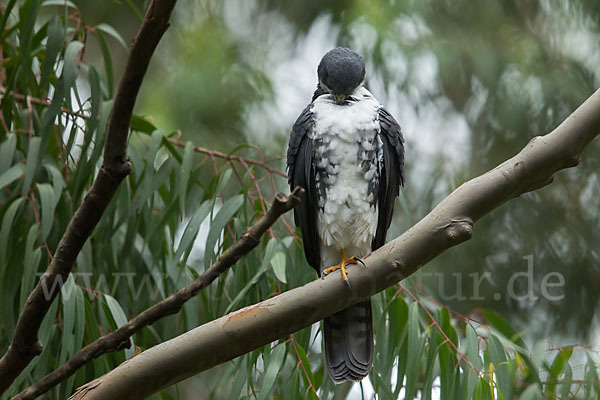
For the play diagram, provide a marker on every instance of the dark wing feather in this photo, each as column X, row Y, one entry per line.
column 391, row 174
column 301, row 173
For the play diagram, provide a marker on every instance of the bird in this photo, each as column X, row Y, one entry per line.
column 347, row 152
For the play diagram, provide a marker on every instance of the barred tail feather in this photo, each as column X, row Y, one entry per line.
column 348, row 338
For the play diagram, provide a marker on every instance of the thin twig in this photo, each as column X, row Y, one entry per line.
column 36, row 100
column 218, row 154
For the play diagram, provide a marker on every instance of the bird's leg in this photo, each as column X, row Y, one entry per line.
column 345, row 260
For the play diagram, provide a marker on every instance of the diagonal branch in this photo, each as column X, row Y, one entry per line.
column 25, row 344
column 119, row 339
column 449, row 224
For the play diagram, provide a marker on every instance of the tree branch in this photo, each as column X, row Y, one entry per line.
column 119, row 339
column 25, row 344
column 449, row 224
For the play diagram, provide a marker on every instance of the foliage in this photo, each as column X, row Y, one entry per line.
column 175, row 213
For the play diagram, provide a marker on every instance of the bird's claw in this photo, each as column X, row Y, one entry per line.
column 360, row 261
column 342, row 266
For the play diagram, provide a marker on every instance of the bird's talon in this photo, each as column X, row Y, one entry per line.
column 360, row 261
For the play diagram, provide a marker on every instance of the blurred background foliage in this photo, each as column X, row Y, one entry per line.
column 470, row 82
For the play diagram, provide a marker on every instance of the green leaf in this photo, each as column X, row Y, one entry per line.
column 186, row 168
column 107, row 63
column 245, row 289
column 7, row 151
column 191, row 231
column 502, row 326
column 537, row 354
column 305, row 371
column 78, row 328
column 231, row 206
column 531, row 393
column 482, row 390
column 32, row 160
column 272, row 370
column 120, row 319
column 151, row 181
column 6, row 230
column 429, row 376
column 382, row 386
column 565, row 388
column 53, row 47
column 68, row 307
column 278, row 262
column 592, row 383
column 58, row 182
column 268, row 254
column 71, row 66
column 109, row 30
column 14, row 173
column 415, row 346
column 472, row 343
column 47, row 325
column 7, row 13
column 502, row 368
column 141, row 124
column 48, row 203
column 153, row 147
column 223, row 179
column 31, row 262
column 28, row 14
column 556, row 369
column 96, row 103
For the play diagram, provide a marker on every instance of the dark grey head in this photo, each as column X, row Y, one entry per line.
column 341, row 71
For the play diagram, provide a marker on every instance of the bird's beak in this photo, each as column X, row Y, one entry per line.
column 340, row 98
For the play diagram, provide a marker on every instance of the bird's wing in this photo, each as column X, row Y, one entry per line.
column 391, row 173
column 301, row 173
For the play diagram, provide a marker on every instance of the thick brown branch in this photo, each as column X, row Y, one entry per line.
column 449, row 224
column 25, row 344
column 119, row 339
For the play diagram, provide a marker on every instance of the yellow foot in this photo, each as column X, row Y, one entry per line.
column 345, row 261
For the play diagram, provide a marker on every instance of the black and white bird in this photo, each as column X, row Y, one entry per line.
column 347, row 152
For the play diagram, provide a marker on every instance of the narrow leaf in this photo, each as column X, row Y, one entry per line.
column 186, row 167
column 278, row 262
column 31, row 262
column 32, row 160
column 13, row 173
column 271, row 371
column 71, row 66
column 6, row 230
column 109, row 30
column 48, row 203
column 7, row 151
column 223, row 216
column 120, row 319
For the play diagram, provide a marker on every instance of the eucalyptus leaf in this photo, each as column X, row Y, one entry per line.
column 278, row 262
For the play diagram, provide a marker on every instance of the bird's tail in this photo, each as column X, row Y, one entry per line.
column 349, row 342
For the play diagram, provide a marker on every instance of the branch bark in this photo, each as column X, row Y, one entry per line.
column 25, row 344
column 449, row 224
column 119, row 339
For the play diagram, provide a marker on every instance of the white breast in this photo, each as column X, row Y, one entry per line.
column 346, row 219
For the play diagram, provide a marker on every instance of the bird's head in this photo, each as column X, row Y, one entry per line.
column 341, row 71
